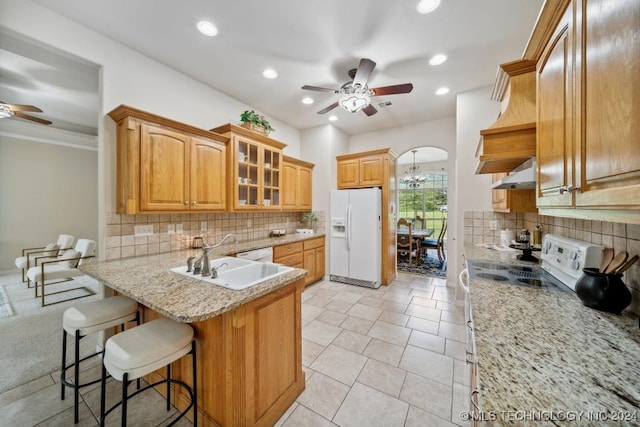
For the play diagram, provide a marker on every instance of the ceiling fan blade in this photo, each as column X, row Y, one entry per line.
column 393, row 90
column 369, row 110
column 329, row 108
column 364, row 71
column 319, row 89
column 33, row 119
column 18, row 107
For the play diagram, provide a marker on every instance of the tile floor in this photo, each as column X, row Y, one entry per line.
column 392, row 356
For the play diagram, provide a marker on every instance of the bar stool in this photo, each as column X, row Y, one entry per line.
column 142, row 350
column 84, row 319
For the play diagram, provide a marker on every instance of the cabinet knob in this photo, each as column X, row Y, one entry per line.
column 186, row 202
column 195, row 203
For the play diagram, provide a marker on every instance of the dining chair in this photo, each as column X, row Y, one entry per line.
column 407, row 246
column 437, row 244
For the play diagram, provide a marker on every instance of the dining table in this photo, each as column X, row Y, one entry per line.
column 416, row 232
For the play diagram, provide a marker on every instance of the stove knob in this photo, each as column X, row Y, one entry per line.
column 573, row 255
column 575, row 265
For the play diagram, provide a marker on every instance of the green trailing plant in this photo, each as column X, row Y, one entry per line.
column 309, row 218
column 255, row 119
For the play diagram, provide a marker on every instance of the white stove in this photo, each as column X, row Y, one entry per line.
column 565, row 258
column 562, row 262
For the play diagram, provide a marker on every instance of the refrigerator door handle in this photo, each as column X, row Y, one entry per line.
column 348, row 228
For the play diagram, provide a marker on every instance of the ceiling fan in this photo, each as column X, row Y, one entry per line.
column 355, row 95
column 11, row 110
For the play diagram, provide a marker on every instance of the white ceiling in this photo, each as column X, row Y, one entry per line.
column 316, row 43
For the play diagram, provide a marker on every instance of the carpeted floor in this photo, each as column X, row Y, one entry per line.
column 430, row 266
column 31, row 338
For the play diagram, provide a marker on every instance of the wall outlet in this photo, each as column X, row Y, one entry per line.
column 203, row 225
column 179, row 228
column 171, row 229
column 143, row 230
column 493, row 224
column 249, row 223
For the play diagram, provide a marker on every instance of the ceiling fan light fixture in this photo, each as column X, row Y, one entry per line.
column 354, row 102
column 427, row 6
column 437, row 59
column 333, row 118
column 442, row 91
column 207, row 28
column 307, row 100
column 5, row 111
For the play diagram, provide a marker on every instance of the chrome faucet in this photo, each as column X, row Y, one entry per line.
column 201, row 266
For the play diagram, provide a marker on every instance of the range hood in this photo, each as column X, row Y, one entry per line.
column 512, row 138
column 521, row 178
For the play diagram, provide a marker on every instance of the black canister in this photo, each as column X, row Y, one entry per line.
column 605, row 292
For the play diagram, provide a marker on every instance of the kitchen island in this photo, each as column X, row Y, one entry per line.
column 249, row 342
column 543, row 354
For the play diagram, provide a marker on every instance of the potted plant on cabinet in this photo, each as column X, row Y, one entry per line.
column 255, row 122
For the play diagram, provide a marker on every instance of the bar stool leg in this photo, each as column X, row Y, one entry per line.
column 125, row 384
column 64, row 362
column 76, row 379
column 168, row 387
column 103, row 389
column 195, row 384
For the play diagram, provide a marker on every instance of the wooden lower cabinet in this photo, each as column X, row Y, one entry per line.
column 308, row 254
column 249, row 361
column 313, row 259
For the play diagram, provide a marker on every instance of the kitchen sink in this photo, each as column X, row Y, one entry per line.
column 238, row 274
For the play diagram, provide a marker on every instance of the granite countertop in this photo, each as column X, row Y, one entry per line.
column 148, row 280
column 540, row 350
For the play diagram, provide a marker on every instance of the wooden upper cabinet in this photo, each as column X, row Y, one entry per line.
column 208, row 189
column 588, row 133
column 608, row 125
column 296, row 184
column 255, row 162
column 555, row 107
column 167, row 166
column 360, row 171
column 164, row 178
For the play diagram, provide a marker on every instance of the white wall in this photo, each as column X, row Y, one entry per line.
column 437, row 133
column 128, row 77
column 320, row 146
column 45, row 190
column 475, row 111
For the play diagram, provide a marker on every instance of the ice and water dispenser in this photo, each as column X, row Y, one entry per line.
column 338, row 227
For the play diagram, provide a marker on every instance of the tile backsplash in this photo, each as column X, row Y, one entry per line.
column 121, row 241
column 619, row 236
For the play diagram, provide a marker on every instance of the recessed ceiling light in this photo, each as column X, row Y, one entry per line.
column 207, row 28
column 442, row 91
column 270, row 73
column 427, row 6
column 307, row 100
column 333, row 118
column 437, row 59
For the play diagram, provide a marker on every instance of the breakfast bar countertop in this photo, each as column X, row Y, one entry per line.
column 148, row 280
column 542, row 352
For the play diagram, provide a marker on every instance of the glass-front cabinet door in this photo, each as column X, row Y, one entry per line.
column 271, row 179
column 258, row 176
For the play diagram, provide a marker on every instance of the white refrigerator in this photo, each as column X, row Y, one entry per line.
column 356, row 237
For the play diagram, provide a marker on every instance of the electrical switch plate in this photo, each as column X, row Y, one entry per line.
column 171, row 229
column 179, row 228
column 143, row 230
column 203, row 225
column 493, row 225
